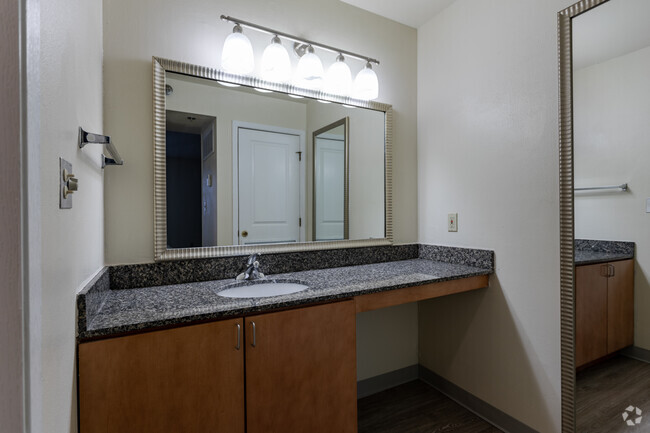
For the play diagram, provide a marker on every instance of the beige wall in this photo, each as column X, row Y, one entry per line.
column 191, row 31
column 487, row 149
column 611, row 111
column 11, row 289
column 72, row 240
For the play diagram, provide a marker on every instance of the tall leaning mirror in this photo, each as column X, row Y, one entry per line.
column 605, row 94
column 242, row 165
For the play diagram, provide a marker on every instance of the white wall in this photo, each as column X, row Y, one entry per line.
column 191, row 31
column 11, row 289
column 487, row 149
column 612, row 134
column 72, row 240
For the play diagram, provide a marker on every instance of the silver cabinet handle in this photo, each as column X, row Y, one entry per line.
column 254, row 343
column 612, row 271
column 238, row 346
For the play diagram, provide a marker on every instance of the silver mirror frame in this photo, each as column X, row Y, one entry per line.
column 161, row 252
column 567, row 231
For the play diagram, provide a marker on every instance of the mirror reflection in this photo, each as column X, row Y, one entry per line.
column 330, row 150
column 611, row 131
column 245, row 167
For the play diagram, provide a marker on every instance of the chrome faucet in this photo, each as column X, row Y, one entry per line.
column 252, row 269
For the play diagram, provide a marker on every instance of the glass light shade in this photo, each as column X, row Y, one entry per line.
column 237, row 56
column 338, row 79
column 366, row 85
column 309, row 73
column 276, row 65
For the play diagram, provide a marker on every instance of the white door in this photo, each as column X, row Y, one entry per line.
column 329, row 189
column 268, row 187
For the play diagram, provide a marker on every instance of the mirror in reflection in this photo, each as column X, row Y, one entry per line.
column 330, row 150
column 248, row 168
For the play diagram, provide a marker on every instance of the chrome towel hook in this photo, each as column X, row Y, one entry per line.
column 89, row 137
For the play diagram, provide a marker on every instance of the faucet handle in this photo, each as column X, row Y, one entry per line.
column 252, row 260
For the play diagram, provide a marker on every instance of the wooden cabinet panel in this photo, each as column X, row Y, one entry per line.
column 185, row 379
column 620, row 306
column 301, row 371
column 591, row 313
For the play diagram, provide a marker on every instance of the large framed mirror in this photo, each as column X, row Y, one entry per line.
column 604, row 57
column 243, row 165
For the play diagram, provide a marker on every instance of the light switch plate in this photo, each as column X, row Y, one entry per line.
column 647, row 206
column 64, row 202
column 452, row 222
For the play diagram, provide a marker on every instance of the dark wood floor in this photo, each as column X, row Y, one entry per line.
column 416, row 407
column 605, row 390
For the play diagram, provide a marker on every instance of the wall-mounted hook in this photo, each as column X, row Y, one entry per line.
column 89, row 137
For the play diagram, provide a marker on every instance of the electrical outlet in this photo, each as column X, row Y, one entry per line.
column 452, row 222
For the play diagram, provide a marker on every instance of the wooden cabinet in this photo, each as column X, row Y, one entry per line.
column 185, row 379
column 620, row 306
column 301, row 370
column 300, row 376
column 604, row 309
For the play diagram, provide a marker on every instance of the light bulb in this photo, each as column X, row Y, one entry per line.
column 366, row 85
column 237, row 56
column 309, row 73
column 276, row 65
column 338, row 80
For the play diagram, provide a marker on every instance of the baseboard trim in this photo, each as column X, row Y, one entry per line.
column 474, row 404
column 386, row 381
column 637, row 353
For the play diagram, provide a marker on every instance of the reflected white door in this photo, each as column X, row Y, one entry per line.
column 268, row 187
column 329, row 189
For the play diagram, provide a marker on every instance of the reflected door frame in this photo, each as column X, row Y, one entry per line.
column 346, row 190
column 236, row 125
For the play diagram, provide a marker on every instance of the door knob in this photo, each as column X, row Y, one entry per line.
column 244, row 234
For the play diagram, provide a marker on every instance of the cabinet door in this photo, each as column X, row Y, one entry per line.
column 301, row 370
column 620, row 293
column 591, row 313
column 187, row 379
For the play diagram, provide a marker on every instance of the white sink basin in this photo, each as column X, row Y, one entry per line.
column 262, row 290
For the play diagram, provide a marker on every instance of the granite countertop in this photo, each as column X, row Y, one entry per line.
column 588, row 252
column 583, row 257
column 128, row 310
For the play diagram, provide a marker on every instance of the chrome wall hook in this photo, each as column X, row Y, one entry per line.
column 89, row 137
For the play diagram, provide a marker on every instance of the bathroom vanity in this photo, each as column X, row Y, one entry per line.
column 181, row 358
column 604, row 284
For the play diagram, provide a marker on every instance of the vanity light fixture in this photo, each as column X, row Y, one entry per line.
column 309, row 73
column 276, row 65
column 338, row 80
column 237, row 55
column 366, row 85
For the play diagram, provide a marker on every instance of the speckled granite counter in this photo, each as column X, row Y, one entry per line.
column 588, row 252
column 103, row 311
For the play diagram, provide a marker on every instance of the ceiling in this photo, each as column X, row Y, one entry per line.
column 413, row 13
column 613, row 29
